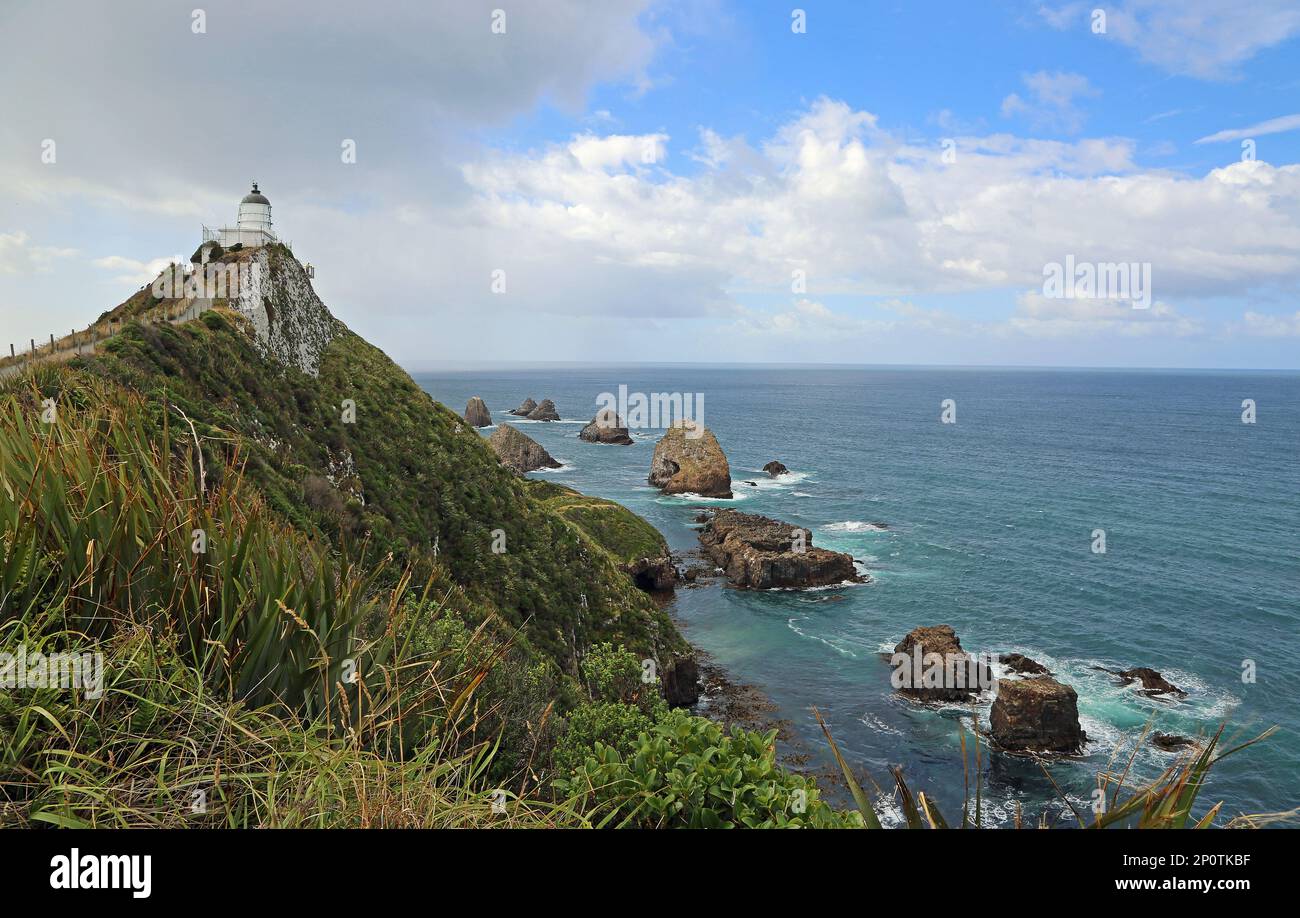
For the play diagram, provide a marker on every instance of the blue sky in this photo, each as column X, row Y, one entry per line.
column 794, row 203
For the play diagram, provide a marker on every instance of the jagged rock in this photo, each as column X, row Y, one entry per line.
column 1152, row 682
column 762, row 553
column 606, row 427
column 1025, row 666
column 775, row 468
column 544, row 412
column 1171, row 741
column 519, row 452
column 652, row 573
column 291, row 324
column 477, row 414
column 688, row 459
column 525, row 409
column 681, row 682
column 1036, row 715
column 959, row 676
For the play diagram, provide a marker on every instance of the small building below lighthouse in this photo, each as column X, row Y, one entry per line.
column 253, row 227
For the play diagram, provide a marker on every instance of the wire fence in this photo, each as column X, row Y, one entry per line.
column 86, row 340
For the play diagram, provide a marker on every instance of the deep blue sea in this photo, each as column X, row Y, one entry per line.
column 988, row 527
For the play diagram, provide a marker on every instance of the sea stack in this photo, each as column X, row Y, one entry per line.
column 960, row 676
column 477, row 414
column 519, row 452
column 775, row 468
column 544, row 412
column 606, row 427
column 524, row 409
column 688, row 459
column 761, row 553
column 1036, row 715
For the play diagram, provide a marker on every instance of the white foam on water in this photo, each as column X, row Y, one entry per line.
column 565, row 466
column 692, row 497
column 853, row 526
column 842, row 651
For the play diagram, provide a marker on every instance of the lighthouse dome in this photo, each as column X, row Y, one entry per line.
column 255, row 197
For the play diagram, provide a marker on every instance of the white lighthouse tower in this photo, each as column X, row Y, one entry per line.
column 255, row 213
column 253, row 228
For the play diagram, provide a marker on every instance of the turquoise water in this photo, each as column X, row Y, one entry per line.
column 989, row 527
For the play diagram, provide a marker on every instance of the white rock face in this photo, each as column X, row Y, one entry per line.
column 292, row 325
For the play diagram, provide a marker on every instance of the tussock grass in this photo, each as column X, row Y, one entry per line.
column 228, row 698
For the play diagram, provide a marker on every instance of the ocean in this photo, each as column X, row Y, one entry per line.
column 987, row 524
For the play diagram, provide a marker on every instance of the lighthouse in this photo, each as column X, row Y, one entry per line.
column 252, row 228
column 255, row 213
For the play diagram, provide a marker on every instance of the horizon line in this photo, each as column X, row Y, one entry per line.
column 425, row 366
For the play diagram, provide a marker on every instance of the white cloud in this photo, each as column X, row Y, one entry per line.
column 1051, row 102
column 18, row 256
column 860, row 212
column 1272, row 126
column 617, row 150
column 1048, row 317
column 1206, row 39
column 133, row 271
column 1269, row 326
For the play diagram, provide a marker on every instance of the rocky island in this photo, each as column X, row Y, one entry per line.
column 477, row 414
column 761, row 553
column 910, row 661
column 518, row 452
column 544, row 412
column 1037, row 715
column 688, row 460
column 606, row 427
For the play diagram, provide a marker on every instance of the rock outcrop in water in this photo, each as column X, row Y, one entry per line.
column 959, row 676
column 688, row 459
column 477, row 414
column 775, row 468
column 1036, row 715
column 544, row 412
column 1153, row 683
column 525, row 409
column 1171, row 741
column 518, row 452
column 762, row 554
column 606, row 427
column 1025, row 666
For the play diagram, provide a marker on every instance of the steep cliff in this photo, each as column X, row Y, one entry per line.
column 346, row 447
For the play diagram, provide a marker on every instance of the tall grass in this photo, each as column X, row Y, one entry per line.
column 112, row 520
column 229, row 640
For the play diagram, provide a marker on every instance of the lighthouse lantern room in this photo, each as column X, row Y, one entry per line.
column 253, row 228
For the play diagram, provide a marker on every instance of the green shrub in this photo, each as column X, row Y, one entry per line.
column 686, row 773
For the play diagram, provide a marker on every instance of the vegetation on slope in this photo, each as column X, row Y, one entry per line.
column 408, row 475
column 342, row 646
